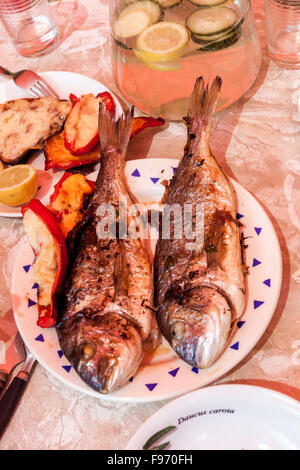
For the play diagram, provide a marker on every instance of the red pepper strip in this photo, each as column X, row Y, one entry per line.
column 141, row 123
column 58, row 186
column 47, row 315
column 108, row 100
column 73, row 98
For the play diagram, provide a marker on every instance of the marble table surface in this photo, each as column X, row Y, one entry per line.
column 257, row 141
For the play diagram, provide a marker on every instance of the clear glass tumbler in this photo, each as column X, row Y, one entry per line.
column 283, row 31
column 30, row 25
column 160, row 47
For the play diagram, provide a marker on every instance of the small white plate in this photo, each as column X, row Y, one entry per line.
column 63, row 83
column 162, row 374
column 226, row 417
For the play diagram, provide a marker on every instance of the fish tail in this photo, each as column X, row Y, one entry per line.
column 114, row 134
column 202, row 105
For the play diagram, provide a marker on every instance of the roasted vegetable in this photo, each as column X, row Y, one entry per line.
column 81, row 132
column 51, row 258
column 141, row 123
column 57, row 156
column 69, row 200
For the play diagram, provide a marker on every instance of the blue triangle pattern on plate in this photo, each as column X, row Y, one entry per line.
column 235, row 346
column 256, row 262
column 174, row 170
column 35, row 286
column 131, row 379
column 239, row 216
column 136, row 173
column 154, row 180
column 60, row 353
column 31, row 303
column 40, row 338
column 267, row 282
column 151, row 386
column 174, row 372
column 67, row 368
column 258, row 230
column 240, row 324
column 257, row 303
column 26, row 268
column 195, row 370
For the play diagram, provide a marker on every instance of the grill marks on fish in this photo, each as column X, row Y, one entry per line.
column 106, row 320
column 200, row 292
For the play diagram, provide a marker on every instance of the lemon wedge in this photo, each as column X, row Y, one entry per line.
column 162, row 42
column 18, row 185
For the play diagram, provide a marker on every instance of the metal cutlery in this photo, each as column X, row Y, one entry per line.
column 31, row 82
column 17, row 378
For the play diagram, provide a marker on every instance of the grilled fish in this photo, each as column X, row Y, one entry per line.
column 106, row 312
column 200, row 292
column 27, row 122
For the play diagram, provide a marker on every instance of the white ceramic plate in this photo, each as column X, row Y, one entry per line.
column 163, row 375
column 63, row 83
column 226, row 417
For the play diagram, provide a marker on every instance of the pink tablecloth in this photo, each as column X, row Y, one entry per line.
column 257, row 141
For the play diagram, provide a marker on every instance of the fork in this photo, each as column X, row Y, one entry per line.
column 15, row 384
column 31, row 82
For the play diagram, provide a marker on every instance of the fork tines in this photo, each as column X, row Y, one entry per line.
column 40, row 89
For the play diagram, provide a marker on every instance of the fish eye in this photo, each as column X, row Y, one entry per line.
column 178, row 330
column 88, row 350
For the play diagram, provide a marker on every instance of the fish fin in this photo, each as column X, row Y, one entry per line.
column 202, row 105
column 114, row 134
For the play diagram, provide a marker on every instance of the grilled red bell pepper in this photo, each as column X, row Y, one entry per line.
column 141, row 123
column 46, row 236
column 73, row 98
column 69, row 199
column 81, row 132
column 57, row 156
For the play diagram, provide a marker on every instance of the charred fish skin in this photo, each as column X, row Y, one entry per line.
column 200, row 292
column 107, row 308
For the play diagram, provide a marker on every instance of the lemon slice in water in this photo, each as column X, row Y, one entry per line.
column 18, row 185
column 162, row 42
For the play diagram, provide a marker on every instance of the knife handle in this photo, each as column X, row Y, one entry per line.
column 9, row 401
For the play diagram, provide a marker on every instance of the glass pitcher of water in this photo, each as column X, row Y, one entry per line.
column 160, row 47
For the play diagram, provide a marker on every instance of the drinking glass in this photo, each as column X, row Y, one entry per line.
column 30, row 25
column 283, row 32
column 212, row 37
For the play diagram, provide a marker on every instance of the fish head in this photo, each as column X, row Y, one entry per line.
column 108, row 352
column 198, row 325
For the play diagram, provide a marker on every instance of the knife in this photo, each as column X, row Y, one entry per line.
column 17, row 366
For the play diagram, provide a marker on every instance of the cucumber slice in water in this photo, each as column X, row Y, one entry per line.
column 152, row 8
column 211, row 21
column 222, row 43
column 131, row 24
column 204, row 39
column 207, row 3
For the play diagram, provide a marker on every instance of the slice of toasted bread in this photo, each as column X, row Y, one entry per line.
column 27, row 122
